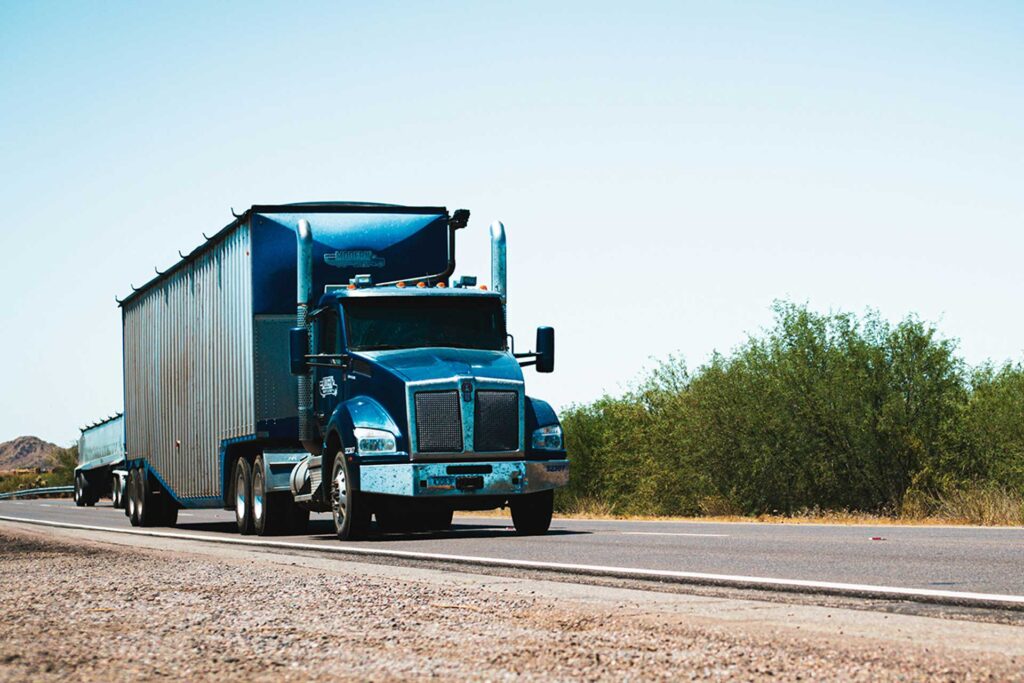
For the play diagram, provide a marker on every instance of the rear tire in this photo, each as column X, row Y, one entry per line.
column 146, row 506
column 349, row 509
column 115, row 491
column 531, row 513
column 274, row 512
column 243, row 496
column 79, row 498
column 132, row 508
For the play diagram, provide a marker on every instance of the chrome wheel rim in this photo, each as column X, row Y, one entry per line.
column 339, row 491
column 257, row 496
column 240, row 496
column 130, row 506
column 140, row 494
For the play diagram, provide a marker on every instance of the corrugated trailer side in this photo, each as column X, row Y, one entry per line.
column 188, row 367
column 206, row 371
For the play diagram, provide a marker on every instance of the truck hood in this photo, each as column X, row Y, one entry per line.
column 415, row 365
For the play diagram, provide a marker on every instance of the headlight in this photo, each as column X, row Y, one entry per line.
column 548, row 438
column 375, row 442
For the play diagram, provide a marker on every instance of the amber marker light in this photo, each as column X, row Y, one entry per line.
column 421, row 284
column 352, row 287
column 400, row 285
column 483, row 287
column 440, row 285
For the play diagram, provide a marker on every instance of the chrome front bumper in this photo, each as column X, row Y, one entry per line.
column 424, row 480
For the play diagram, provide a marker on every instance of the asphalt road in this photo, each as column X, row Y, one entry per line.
column 961, row 559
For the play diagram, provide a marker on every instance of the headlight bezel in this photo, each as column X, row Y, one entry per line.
column 375, row 442
column 548, row 438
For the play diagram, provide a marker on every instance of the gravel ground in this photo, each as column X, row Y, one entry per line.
column 89, row 612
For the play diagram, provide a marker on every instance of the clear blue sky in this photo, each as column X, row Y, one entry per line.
column 665, row 170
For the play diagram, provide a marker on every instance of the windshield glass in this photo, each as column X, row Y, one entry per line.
column 375, row 324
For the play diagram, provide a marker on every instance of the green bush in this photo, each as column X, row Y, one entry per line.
column 826, row 411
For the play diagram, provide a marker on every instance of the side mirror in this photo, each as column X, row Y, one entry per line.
column 298, row 347
column 545, row 349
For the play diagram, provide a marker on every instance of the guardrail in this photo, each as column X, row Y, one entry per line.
column 50, row 490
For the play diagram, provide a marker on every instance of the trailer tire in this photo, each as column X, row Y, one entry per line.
column 349, row 509
column 531, row 513
column 132, row 508
column 115, row 491
column 243, row 496
column 79, row 498
column 147, row 507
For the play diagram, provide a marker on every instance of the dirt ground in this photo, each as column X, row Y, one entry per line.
column 83, row 610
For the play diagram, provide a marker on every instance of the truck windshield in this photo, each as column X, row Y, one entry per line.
column 375, row 324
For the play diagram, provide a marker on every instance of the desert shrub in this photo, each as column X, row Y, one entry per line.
column 821, row 411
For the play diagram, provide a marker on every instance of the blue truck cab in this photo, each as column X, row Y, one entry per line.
column 423, row 410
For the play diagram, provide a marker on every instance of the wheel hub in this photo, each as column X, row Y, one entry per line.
column 240, row 498
column 339, row 491
column 257, row 498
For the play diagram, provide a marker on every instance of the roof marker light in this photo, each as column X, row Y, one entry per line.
column 421, row 284
column 441, row 285
column 400, row 285
column 351, row 286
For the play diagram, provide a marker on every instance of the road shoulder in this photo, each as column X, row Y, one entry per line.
column 604, row 631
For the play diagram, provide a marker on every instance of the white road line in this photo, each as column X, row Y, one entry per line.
column 44, row 505
column 670, row 533
column 833, row 587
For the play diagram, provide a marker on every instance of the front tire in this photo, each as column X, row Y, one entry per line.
column 531, row 513
column 243, row 496
column 351, row 513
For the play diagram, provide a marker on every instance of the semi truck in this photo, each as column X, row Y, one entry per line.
column 100, row 471
column 321, row 357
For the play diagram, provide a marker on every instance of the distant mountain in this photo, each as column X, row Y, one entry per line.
column 26, row 452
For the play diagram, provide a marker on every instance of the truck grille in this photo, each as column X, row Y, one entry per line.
column 438, row 422
column 496, row 421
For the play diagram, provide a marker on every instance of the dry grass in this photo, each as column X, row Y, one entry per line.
column 984, row 506
column 979, row 506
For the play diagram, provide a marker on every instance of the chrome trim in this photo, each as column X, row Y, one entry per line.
column 467, row 452
column 499, row 260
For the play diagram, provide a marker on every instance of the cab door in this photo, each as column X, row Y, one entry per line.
column 329, row 386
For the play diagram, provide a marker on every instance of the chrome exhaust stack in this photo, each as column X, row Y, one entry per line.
column 499, row 258
column 304, row 292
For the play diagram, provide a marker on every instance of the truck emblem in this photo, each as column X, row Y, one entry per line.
column 467, row 390
column 328, row 387
column 354, row 258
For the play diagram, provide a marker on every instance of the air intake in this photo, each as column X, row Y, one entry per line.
column 496, row 421
column 438, row 422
